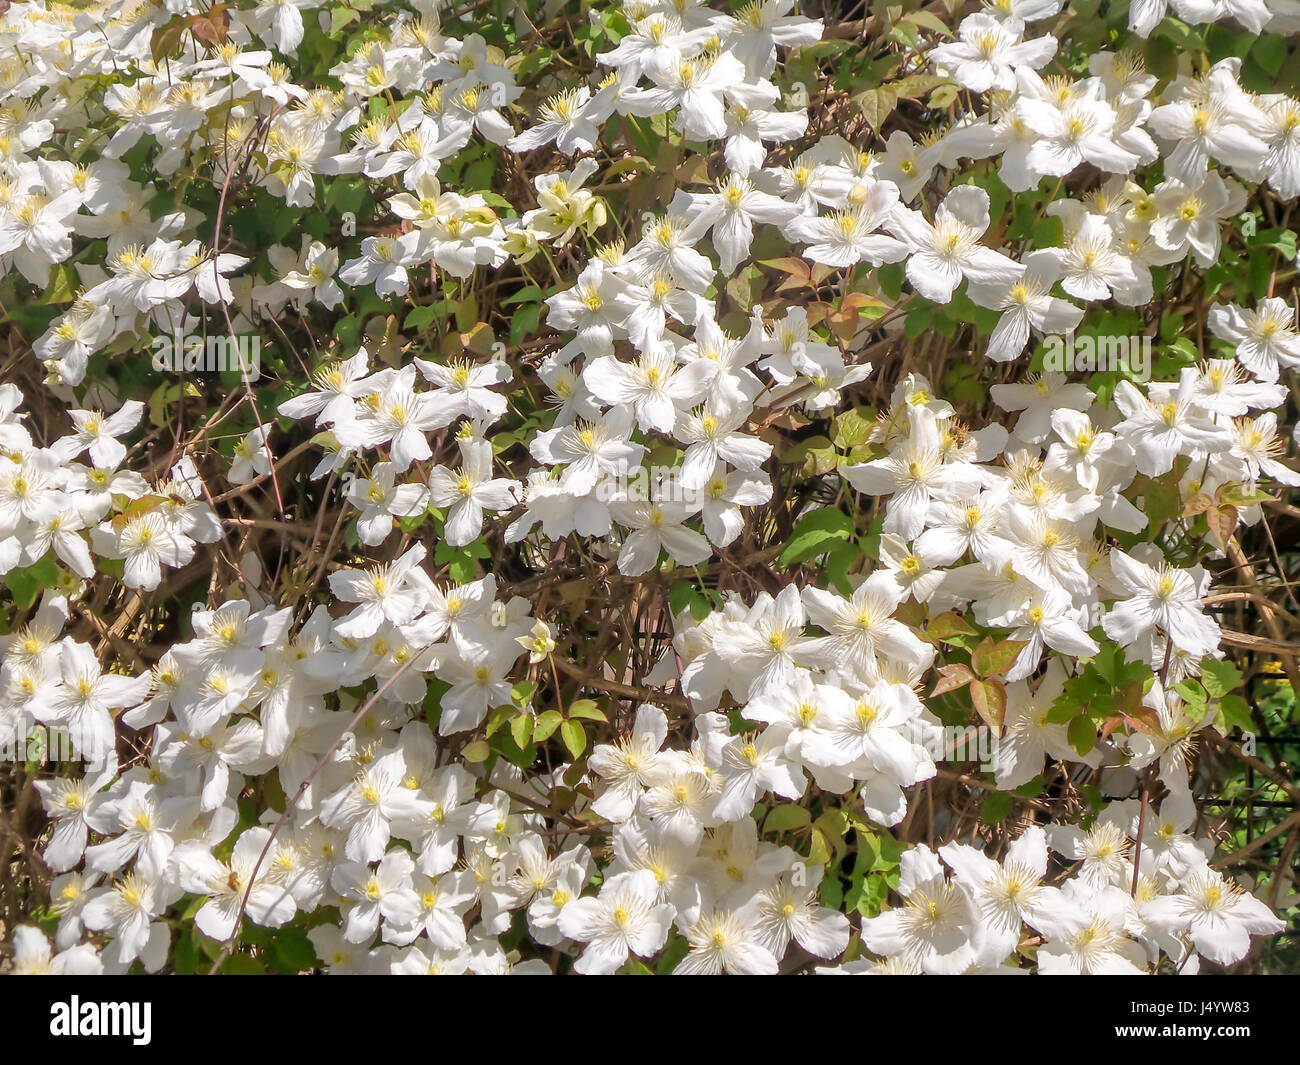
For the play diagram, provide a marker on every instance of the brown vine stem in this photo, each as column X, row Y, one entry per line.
column 246, row 148
column 1287, row 652
column 1141, row 830
column 1146, row 782
column 1259, row 841
column 626, row 691
column 1262, row 768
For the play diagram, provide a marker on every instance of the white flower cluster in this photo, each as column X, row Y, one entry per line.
column 408, row 862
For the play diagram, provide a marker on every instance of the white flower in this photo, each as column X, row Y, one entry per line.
column 763, row 647
column 1264, row 339
column 1215, row 119
column 786, row 912
column 1164, row 598
column 82, row 702
column 394, row 592
column 1080, row 130
column 631, row 765
column 948, row 250
column 226, row 883
column 467, row 492
column 1217, row 915
column 987, row 52
column 938, row 927
column 98, row 432
column 1189, row 216
column 367, row 805
column 731, row 213
column 1092, row 264
column 589, row 449
column 252, row 457
column 695, row 87
column 382, row 263
column 126, row 911
column 913, row 474
column 753, row 765
column 851, row 234
column 1102, row 947
column 319, row 267
column 380, row 501
column 1026, row 303
column 1167, row 424
column 725, row 941
column 1011, row 891
column 385, row 893
column 624, row 919
column 32, row 956
column 712, row 435
column 567, row 119
column 657, row 526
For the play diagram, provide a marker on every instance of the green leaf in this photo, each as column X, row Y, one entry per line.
column 460, row 560
column 1238, row 495
column 877, row 105
column 683, row 595
column 948, row 625
column 63, row 285
column 521, row 729
column 588, row 710
column 546, row 725
column 990, row 700
column 1158, row 500
column 1282, row 241
column 1236, row 712
column 837, row 566
column 889, row 853
column 952, row 676
column 996, row 807
column 1065, row 706
column 786, row 817
column 819, row 853
column 575, row 739
column 815, row 456
column 497, row 718
column 1082, row 733
column 993, row 659
column 477, row 751
column 815, row 534
column 27, row 584
column 293, row 950
column 1108, row 662
column 852, row 428
column 1219, row 677
column 23, row 586
column 927, row 20
column 420, row 318
column 1269, row 51
column 534, row 61
column 341, row 17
